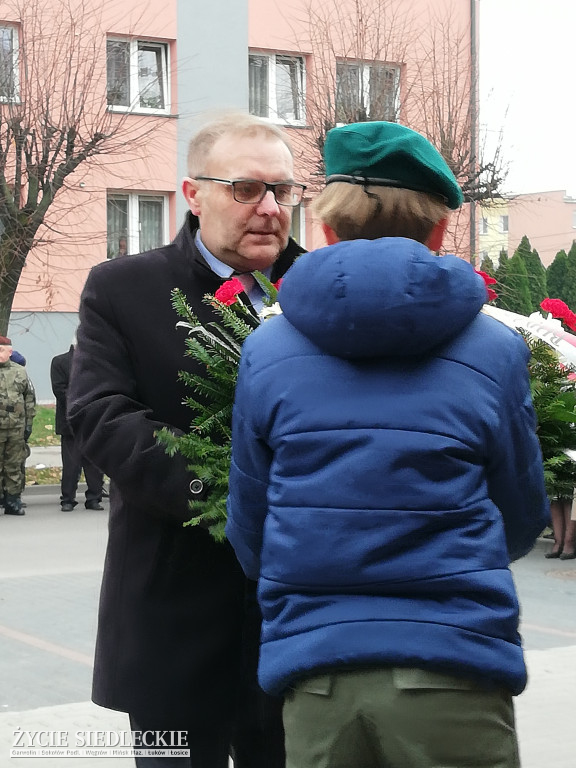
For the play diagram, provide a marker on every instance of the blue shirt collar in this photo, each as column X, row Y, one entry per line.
column 217, row 266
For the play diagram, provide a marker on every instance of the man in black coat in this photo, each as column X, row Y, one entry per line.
column 178, row 626
column 72, row 461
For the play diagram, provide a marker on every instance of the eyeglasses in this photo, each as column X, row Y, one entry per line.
column 251, row 191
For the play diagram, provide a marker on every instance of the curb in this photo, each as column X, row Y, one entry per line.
column 39, row 489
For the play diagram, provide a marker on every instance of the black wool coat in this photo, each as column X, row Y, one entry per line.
column 171, row 606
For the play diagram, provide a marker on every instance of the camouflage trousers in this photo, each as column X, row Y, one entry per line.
column 12, row 456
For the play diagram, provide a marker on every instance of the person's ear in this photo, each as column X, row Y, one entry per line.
column 190, row 189
column 435, row 238
column 329, row 234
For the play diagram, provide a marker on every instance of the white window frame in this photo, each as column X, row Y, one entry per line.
column 483, row 230
column 364, row 89
column 272, row 58
column 15, row 96
column 298, row 225
column 504, row 224
column 134, row 85
column 133, row 234
column 573, row 219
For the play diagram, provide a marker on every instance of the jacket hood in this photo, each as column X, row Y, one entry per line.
column 373, row 298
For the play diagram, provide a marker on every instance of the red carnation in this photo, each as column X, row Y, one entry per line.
column 228, row 291
column 557, row 308
column 491, row 294
column 488, row 281
column 486, row 277
column 277, row 284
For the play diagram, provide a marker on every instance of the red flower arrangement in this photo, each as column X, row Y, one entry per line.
column 557, row 308
column 487, row 282
column 216, row 347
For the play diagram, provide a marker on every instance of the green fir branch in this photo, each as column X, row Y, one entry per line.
column 554, row 398
column 216, row 349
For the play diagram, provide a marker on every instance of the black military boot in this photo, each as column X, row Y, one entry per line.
column 13, row 505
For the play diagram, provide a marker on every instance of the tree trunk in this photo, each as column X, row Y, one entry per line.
column 13, row 252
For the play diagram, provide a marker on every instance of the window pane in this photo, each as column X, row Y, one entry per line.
column 348, row 94
column 258, row 83
column 383, row 93
column 151, row 218
column 7, row 79
column 151, row 76
column 118, row 73
column 117, row 225
column 289, row 88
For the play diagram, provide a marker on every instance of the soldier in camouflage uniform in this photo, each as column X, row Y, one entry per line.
column 17, row 409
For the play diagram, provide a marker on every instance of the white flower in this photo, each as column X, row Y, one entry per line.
column 267, row 312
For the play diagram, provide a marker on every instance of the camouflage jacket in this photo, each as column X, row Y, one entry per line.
column 17, row 397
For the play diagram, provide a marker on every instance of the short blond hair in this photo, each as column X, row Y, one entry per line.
column 240, row 124
column 357, row 212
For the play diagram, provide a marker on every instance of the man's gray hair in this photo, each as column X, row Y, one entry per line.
column 234, row 124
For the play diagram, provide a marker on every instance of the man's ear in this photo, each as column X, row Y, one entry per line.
column 190, row 189
column 436, row 237
column 329, row 234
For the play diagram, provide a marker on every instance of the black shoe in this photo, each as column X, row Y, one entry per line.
column 67, row 507
column 9, row 510
column 94, row 505
column 105, row 494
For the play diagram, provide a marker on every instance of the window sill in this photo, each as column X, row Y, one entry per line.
column 141, row 112
column 282, row 123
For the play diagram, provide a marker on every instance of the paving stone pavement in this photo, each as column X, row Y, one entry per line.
column 544, row 712
column 50, row 567
column 73, row 718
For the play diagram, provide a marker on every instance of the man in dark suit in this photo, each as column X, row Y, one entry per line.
column 178, row 629
column 72, row 460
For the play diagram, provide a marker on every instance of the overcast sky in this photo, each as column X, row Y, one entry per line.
column 527, row 87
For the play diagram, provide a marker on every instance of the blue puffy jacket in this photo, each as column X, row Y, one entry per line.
column 385, row 469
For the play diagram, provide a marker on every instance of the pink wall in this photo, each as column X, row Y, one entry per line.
column 142, row 157
column 284, row 25
column 547, row 219
column 75, row 235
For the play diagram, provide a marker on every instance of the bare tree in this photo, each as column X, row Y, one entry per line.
column 378, row 60
column 358, row 49
column 54, row 119
column 443, row 105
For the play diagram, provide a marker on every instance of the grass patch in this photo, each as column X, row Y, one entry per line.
column 46, row 476
column 43, row 427
column 43, row 434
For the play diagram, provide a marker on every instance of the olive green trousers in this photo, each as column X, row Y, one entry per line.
column 395, row 717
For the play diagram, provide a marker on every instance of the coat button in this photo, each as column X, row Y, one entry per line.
column 196, row 487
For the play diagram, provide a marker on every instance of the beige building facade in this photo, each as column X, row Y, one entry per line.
column 548, row 219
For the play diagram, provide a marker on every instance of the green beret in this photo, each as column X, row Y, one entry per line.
column 389, row 155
